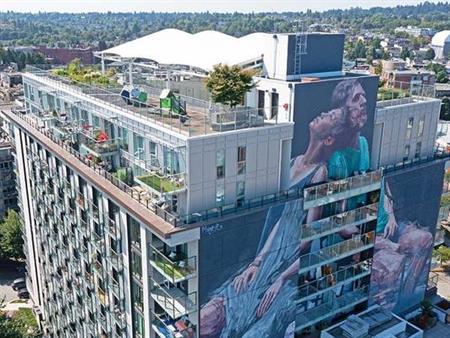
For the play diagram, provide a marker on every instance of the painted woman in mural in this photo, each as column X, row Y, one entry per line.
column 401, row 257
column 259, row 301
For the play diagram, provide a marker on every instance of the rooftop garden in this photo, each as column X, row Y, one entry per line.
column 158, row 183
column 88, row 75
column 385, row 93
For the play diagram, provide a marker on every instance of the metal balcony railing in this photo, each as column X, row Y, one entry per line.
column 175, row 267
column 332, row 189
column 173, row 300
column 335, row 223
column 334, row 280
column 164, row 326
column 336, row 304
column 337, row 251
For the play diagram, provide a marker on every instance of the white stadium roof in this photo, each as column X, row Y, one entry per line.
column 439, row 39
column 201, row 50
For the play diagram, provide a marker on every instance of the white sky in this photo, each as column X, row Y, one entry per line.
column 77, row 6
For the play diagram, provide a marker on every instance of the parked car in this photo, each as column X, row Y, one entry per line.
column 16, row 282
column 23, row 293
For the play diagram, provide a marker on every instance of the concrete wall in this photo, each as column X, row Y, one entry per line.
column 263, row 168
column 391, row 135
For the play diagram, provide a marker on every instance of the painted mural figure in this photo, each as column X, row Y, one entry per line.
column 260, row 299
column 400, row 260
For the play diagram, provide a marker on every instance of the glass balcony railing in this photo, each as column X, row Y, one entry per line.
column 335, row 223
column 333, row 189
column 173, row 300
column 100, row 148
column 81, row 202
column 115, row 260
column 333, row 306
column 334, row 280
column 113, row 228
column 337, row 251
column 175, row 268
column 102, row 296
column 166, row 327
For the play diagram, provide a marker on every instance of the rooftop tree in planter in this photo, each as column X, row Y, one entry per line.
column 228, row 84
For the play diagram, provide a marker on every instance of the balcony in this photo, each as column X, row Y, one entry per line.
column 81, row 202
column 174, row 268
column 335, row 223
column 328, row 309
column 174, row 301
column 334, row 280
column 341, row 189
column 161, row 184
column 115, row 260
column 166, row 327
column 337, row 251
column 99, row 149
column 102, row 296
column 113, row 228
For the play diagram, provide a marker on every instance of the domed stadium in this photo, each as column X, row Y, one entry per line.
column 441, row 44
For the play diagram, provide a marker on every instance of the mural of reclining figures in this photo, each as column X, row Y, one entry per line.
column 405, row 231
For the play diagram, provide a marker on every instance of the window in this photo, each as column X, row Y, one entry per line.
column 136, row 265
column 220, row 163
column 409, row 127
column 240, row 193
column 274, row 107
column 220, row 194
column 154, row 154
column 418, row 149
column 406, row 153
column 242, row 154
column 135, row 232
column 421, row 125
column 95, row 121
column 153, row 148
column 261, row 102
column 138, row 146
column 139, row 324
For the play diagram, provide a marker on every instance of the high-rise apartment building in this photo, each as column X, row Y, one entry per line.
column 151, row 212
column 8, row 192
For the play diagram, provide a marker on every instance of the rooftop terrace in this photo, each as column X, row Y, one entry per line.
column 188, row 116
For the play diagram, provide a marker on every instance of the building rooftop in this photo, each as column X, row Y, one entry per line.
column 199, row 117
column 202, row 50
column 374, row 322
column 441, row 38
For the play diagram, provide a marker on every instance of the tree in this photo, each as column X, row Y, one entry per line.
column 442, row 254
column 441, row 77
column 430, row 54
column 405, row 53
column 445, row 109
column 11, row 241
column 379, row 68
column 360, row 50
column 439, row 70
column 228, row 85
column 22, row 324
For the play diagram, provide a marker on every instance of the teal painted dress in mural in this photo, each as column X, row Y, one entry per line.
column 350, row 162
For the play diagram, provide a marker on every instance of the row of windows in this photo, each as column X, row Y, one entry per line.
column 241, row 161
column 240, row 193
column 408, row 150
column 409, row 127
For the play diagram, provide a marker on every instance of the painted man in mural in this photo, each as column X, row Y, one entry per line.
column 401, row 256
column 260, row 299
